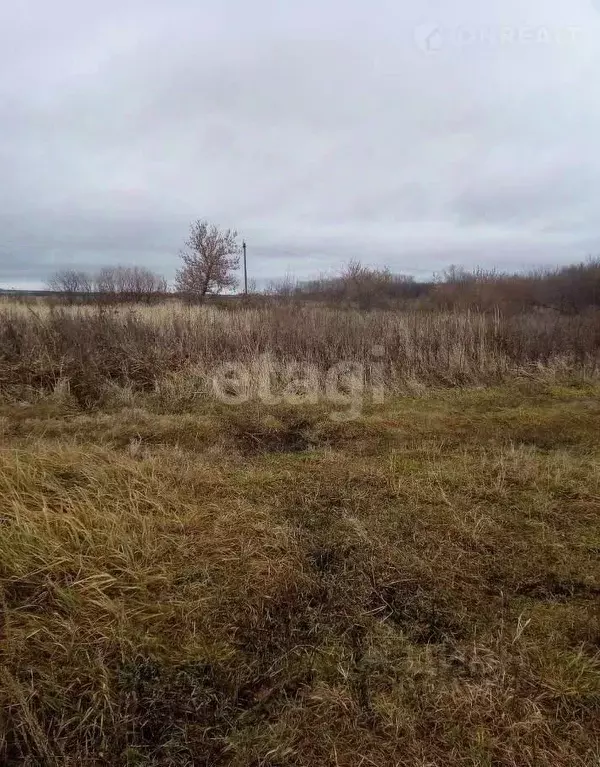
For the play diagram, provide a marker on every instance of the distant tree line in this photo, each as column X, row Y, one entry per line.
column 211, row 257
column 356, row 285
column 566, row 290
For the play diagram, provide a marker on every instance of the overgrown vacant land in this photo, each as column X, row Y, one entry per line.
column 186, row 582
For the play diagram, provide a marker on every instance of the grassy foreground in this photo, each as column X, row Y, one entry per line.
column 266, row 587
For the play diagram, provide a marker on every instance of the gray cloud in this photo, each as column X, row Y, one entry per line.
column 321, row 131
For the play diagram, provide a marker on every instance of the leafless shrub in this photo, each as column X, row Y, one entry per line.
column 130, row 283
column 110, row 284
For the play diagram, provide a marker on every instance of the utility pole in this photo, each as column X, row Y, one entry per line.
column 245, row 270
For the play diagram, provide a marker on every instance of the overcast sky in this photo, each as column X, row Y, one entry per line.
column 402, row 132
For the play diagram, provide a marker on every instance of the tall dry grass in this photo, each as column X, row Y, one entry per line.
column 90, row 349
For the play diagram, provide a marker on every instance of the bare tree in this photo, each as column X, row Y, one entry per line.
column 71, row 283
column 105, row 282
column 144, row 285
column 129, row 283
column 209, row 260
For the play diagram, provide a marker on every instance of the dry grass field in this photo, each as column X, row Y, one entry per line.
column 186, row 582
